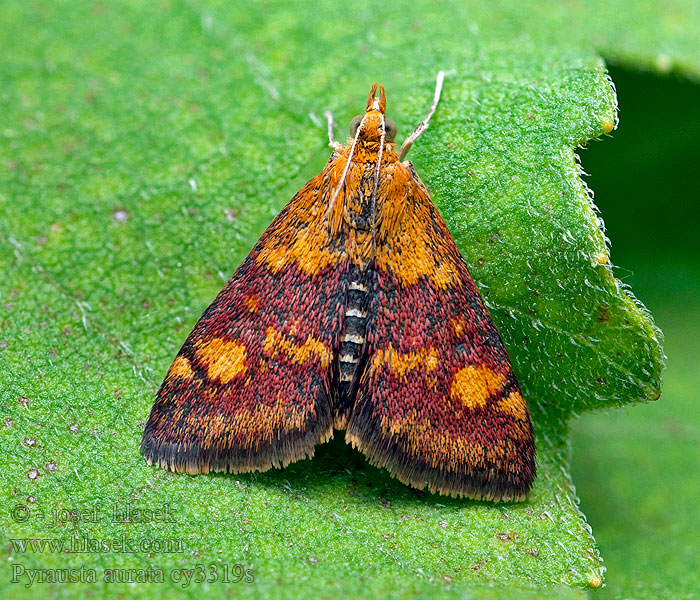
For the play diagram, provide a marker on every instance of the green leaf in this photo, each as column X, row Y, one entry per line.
column 147, row 146
column 635, row 470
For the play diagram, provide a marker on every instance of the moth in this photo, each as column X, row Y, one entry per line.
column 354, row 311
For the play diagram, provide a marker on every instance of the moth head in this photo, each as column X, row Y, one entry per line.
column 373, row 121
column 389, row 126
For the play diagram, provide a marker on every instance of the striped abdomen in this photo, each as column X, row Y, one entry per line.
column 350, row 359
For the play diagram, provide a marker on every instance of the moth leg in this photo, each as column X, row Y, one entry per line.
column 423, row 125
column 331, row 140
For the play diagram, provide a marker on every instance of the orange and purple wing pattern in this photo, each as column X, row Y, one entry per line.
column 355, row 311
column 438, row 404
column 250, row 388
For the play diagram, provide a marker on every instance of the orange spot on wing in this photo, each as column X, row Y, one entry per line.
column 401, row 362
column 473, row 385
column 181, row 368
column 224, row 358
column 458, row 325
column 214, row 424
column 515, row 405
column 312, row 349
column 310, row 251
column 253, row 303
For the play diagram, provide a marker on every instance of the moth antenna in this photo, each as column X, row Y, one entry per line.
column 331, row 140
column 347, row 164
column 423, row 125
column 375, row 187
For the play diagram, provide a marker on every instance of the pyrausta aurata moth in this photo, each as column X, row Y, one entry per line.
column 354, row 311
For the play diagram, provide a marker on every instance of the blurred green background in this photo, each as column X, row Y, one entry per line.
column 637, row 471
